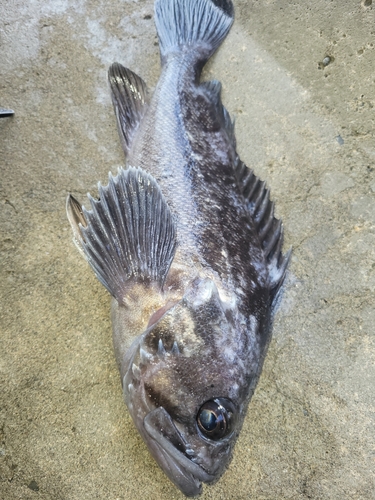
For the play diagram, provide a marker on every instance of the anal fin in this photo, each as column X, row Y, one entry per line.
column 130, row 99
column 129, row 235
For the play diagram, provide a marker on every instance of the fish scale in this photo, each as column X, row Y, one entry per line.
column 161, row 148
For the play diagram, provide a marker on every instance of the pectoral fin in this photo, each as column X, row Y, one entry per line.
column 129, row 235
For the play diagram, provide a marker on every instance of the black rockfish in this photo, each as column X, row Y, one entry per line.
column 185, row 241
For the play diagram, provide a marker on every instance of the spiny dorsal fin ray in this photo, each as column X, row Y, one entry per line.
column 269, row 228
column 128, row 235
column 75, row 217
column 212, row 89
column 130, row 99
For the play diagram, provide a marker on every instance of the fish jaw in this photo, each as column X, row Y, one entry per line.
column 180, row 460
column 163, row 440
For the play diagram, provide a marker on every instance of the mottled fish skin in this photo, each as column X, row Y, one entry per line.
column 187, row 244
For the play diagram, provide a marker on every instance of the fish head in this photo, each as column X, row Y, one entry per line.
column 185, row 386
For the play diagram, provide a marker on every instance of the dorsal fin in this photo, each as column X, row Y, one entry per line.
column 269, row 228
column 129, row 235
column 212, row 89
column 130, row 99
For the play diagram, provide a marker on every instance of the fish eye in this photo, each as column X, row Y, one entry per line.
column 215, row 418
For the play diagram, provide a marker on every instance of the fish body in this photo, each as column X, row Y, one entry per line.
column 186, row 242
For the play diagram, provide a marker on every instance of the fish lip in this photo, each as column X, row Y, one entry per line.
column 180, row 469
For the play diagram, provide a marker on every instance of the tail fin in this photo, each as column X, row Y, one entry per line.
column 192, row 25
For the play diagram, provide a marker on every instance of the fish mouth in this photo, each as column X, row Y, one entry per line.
column 172, row 452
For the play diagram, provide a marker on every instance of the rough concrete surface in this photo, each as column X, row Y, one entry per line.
column 299, row 77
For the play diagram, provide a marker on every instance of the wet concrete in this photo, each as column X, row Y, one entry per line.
column 300, row 79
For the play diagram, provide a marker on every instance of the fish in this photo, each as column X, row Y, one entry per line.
column 185, row 240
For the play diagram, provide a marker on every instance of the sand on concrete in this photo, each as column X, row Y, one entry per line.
column 299, row 77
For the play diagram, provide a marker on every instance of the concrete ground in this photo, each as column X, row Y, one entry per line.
column 299, row 76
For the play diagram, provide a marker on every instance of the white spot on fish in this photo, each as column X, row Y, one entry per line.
column 227, row 298
column 145, row 356
column 229, row 354
column 253, row 323
column 204, row 293
column 136, row 371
